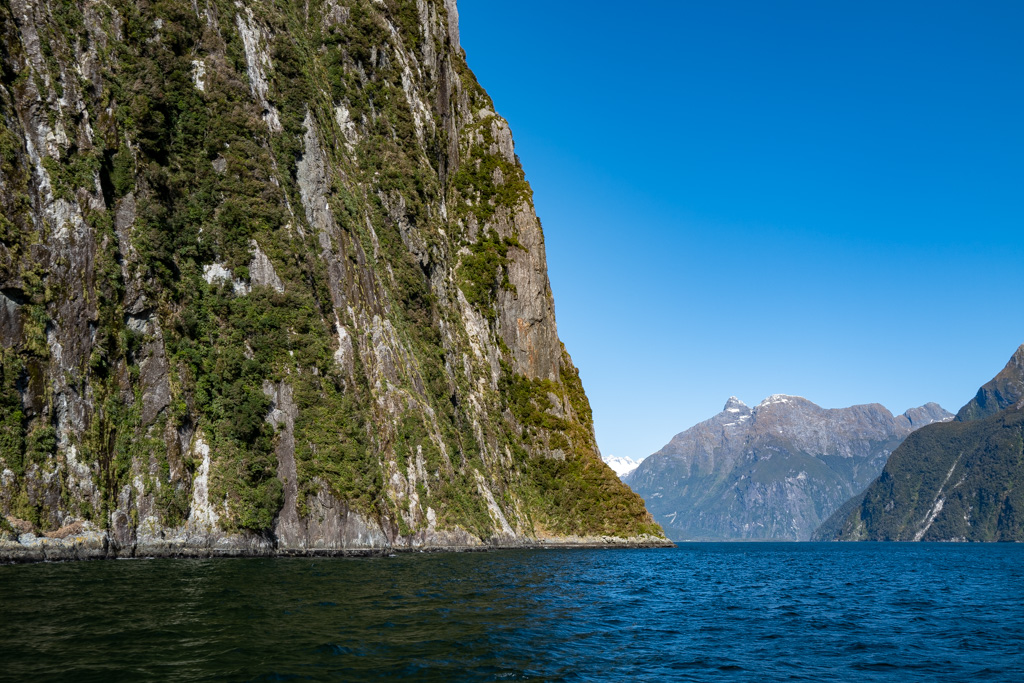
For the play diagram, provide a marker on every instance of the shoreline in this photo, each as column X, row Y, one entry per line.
column 97, row 546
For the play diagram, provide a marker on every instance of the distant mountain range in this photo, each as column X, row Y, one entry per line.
column 961, row 481
column 775, row 471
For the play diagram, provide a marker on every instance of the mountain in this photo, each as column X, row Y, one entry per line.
column 1004, row 391
column 960, row 481
column 774, row 471
column 271, row 281
column 622, row 466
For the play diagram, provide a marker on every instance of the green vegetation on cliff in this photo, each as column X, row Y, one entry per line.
column 206, row 210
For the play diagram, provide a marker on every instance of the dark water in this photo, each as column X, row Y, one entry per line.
column 700, row 612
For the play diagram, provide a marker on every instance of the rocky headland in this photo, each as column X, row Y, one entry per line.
column 271, row 282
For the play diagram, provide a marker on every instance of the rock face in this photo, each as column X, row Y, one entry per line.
column 961, row 481
column 774, row 471
column 271, row 281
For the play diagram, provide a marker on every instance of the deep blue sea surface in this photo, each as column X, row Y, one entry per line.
column 718, row 612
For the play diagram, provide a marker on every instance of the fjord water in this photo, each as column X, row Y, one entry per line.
column 698, row 612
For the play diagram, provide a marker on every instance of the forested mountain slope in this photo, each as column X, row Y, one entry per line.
column 961, row 481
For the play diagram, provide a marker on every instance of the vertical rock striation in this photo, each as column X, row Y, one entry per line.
column 271, row 281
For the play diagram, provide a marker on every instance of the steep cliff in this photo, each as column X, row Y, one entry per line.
column 774, row 471
column 272, row 281
column 961, row 481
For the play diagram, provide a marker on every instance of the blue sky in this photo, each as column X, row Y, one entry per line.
column 748, row 197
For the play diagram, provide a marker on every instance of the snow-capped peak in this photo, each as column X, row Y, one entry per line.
column 777, row 398
column 734, row 405
column 622, row 466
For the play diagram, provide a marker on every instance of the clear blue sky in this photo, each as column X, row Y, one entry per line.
column 755, row 197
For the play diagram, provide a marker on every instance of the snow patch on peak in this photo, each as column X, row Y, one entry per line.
column 734, row 405
column 621, row 466
column 777, row 398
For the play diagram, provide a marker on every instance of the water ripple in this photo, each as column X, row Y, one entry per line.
column 721, row 612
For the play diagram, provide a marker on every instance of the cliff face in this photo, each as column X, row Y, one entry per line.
column 272, row 281
column 961, row 481
column 774, row 471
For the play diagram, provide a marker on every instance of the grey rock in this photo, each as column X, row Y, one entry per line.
column 154, row 378
column 775, row 471
column 526, row 320
column 927, row 414
column 261, row 271
column 10, row 322
column 453, row 23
